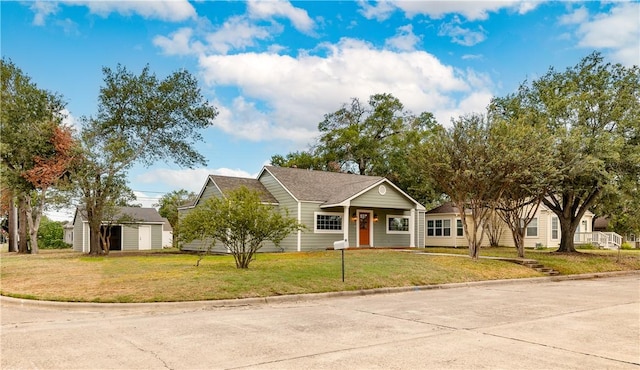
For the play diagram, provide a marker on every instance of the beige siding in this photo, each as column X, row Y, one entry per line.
column 452, row 240
column 543, row 238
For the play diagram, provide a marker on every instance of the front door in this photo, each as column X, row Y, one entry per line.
column 365, row 221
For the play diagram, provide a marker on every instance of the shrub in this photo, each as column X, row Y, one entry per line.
column 586, row 246
column 626, row 245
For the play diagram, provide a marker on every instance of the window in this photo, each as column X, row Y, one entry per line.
column 459, row 228
column 554, row 228
column 532, row 228
column 584, row 226
column 328, row 223
column 439, row 228
column 397, row 224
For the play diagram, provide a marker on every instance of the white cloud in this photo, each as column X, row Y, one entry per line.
column 472, row 56
column 462, row 36
column 179, row 43
column 471, row 10
column 404, row 40
column 188, row 179
column 381, row 11
column 285, row 97
column 42, row 10
column 576, row 17
column 617, row 31
column 269, row 9
column 238, row 33
column 167, row 10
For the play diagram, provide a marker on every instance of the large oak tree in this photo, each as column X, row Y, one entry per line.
column 140, row 119
column 592, row 110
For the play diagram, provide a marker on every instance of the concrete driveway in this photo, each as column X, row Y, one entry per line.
column 542, row 323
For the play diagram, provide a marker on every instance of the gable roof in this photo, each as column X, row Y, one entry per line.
column 321, row 186
column 328, row 188
column 132, row 215
column 226, row 184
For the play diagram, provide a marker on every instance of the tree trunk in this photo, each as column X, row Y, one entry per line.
column 95, row 247
column 13, row 226
column 22, row 227
column 567, row 231
column 33, row 222
column 518, row 241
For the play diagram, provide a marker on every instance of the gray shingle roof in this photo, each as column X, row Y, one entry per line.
column 132, row 214
column 322, row 186
column 227, row 184
column 138, row 214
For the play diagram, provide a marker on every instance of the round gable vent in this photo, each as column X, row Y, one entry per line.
column 382, row 190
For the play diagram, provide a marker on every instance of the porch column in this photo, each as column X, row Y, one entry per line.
column 412, row 228
column 345, row 224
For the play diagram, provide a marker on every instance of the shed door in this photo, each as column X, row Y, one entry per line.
column 144, row 237
column 365, row 221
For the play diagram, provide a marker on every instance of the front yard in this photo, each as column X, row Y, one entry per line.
column 161, row 276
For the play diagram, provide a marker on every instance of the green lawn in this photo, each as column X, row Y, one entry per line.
column 150, row 277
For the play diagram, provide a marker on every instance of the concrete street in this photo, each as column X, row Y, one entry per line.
column 545, row 323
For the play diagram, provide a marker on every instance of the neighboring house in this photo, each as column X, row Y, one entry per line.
column 367, row 211
column 602, row 224
column 167, row 234
column 444, row 229
column 132, row 228
column 68, row 233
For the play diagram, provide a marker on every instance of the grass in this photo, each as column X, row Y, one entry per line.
column 151, row 277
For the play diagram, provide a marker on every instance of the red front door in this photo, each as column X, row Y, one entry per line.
column 364, row 228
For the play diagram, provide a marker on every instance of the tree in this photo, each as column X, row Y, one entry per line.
column 521, row 149
column 46, row 173
column 140, row 119
column 169, row 204
column 370, row 139
column 593, row 112
column 30, row 117
column 460, row 163
column 240, row 221
column 51, row 234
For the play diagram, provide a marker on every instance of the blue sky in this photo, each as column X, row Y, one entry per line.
column 274, row 68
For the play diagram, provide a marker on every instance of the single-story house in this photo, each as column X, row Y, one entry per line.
column 366, row 211
column 130, row 229
column 444, row 229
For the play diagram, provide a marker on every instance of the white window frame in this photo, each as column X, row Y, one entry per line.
column 461, row 228
column 526, row 233
column 442, row 227
column 408, row 218
column 555, row 227
column 322, row 231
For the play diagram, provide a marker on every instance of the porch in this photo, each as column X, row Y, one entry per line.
column 606, row 240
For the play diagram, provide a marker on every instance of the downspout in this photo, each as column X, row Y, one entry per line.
column 299, row 222
column 345, row 223
column 412, row 233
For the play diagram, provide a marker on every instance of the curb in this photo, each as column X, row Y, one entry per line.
column 294, row 298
